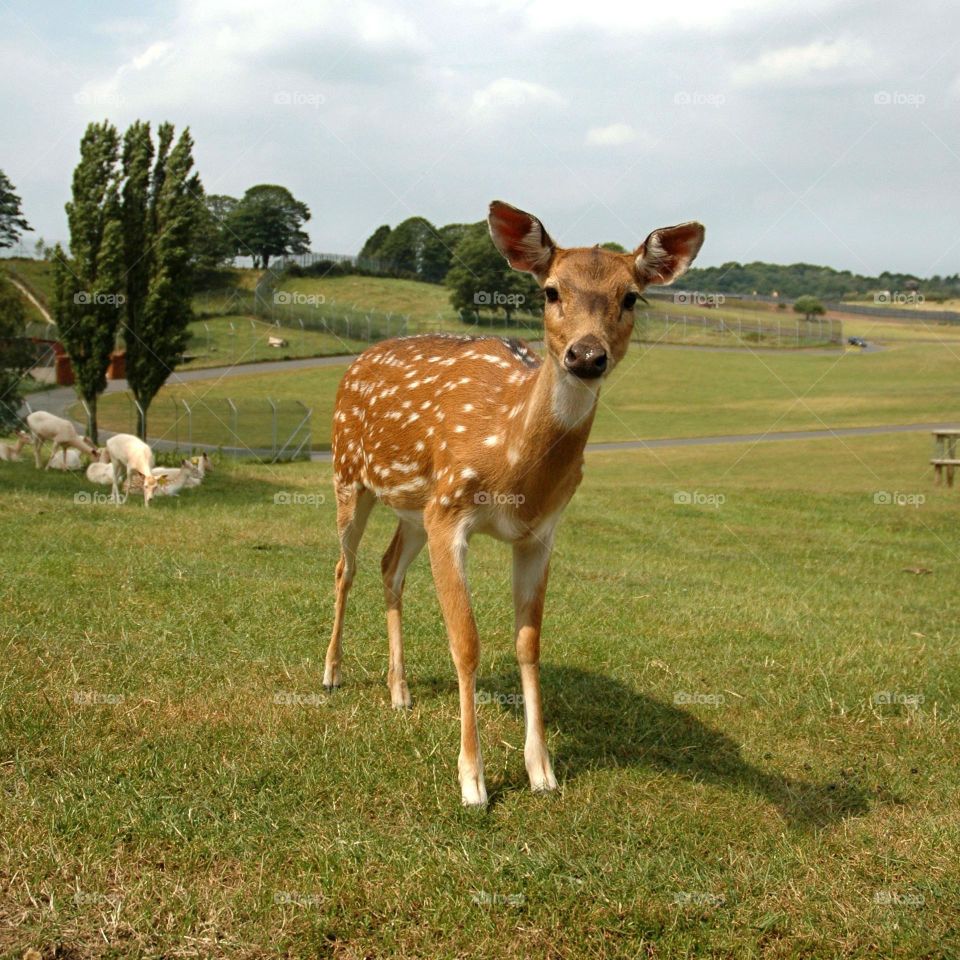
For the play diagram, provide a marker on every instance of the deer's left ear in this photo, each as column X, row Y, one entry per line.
column 521, row 238
column 667, row 252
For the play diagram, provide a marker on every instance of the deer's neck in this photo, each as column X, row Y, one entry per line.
column 547, row 437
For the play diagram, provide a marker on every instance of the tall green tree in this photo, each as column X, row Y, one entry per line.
column 216, row 243
column 268, row 222
column 371, row 249
column 89, row 288
column 481, row 279
column 160, row 228
column 403, row 249
column 12, row 223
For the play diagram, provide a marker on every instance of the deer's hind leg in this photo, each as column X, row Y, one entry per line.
column 353, row 511
column 407, row 542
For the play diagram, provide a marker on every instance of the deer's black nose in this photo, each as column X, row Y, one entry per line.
column 586, row 358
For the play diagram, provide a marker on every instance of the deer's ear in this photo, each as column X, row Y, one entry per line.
column 521, row 238
column 667, row 252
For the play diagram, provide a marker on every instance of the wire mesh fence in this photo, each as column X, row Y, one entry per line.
column 256, row 428
column 761, row 331
column 294, row 311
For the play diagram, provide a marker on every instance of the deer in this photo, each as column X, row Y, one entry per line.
column 63, row 434
column 11, row 451
column 129, row 454
column 465, row 435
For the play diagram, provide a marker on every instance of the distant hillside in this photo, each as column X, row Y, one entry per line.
column 797, row 279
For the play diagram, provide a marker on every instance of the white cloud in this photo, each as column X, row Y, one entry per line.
column 506, row 95
column 612, row 136
column 153, row 53
column 810, row 63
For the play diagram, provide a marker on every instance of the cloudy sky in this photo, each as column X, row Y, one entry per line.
column 826, row 131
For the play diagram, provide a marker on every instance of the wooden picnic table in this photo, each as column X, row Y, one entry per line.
column 945, row 454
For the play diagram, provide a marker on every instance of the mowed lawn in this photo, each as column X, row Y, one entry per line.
column 750, row 699
column 661, row 391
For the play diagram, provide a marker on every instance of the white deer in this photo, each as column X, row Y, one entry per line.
column 130, row 454
column 465, row 435
column 61, row 433
column 11, row 451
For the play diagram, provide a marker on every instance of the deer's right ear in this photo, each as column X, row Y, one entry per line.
column 521, row 238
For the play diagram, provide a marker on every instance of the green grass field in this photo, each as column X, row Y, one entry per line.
column 677, row 392
column 732, row 782
column 222, row 341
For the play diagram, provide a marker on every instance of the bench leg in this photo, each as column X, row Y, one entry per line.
column 937, row 474
column 950, row 476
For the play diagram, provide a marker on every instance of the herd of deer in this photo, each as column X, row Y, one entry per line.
column 123, row 457
column 462, row 435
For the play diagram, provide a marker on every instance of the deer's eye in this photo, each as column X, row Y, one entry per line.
column 552, row 294
column 630, row 301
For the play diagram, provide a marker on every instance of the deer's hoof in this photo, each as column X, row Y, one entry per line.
column 400, row 697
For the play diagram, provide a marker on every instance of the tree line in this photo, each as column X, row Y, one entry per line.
column 800, row 279
column 463, row 257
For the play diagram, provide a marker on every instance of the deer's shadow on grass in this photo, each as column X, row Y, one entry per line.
column 605, row 723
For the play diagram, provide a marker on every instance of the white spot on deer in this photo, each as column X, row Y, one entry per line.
column 412, row 417
column 425, row 405
column 418, row 446
column 413, row 385
column 467, row 407
column 492, row 440
column 468, row 473
column 512, row 456
column 444, row 501
column 459, row 428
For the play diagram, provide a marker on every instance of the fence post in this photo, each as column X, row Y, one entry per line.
column 206, row 326
column 186, row 406
column 303, row 337
column 236, row 420
column 273, row 407
column 233, row 343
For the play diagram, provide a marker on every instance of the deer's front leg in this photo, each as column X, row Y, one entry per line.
column 531, row 560
column 448, row 553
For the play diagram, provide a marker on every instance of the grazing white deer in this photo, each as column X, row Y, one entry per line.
column 62, row 434
column 464, row 435
column 171, row 480
column 11, row 451
column 130, row 454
